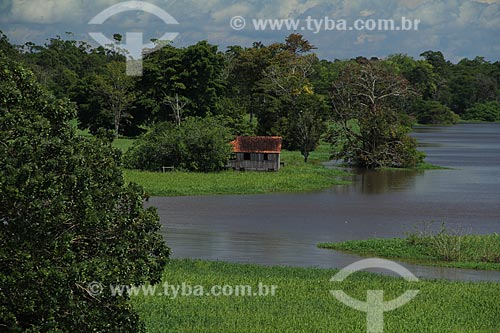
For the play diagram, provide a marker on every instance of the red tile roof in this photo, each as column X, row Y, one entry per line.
column 257, row 144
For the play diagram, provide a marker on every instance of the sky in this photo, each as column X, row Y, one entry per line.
column 458, row 28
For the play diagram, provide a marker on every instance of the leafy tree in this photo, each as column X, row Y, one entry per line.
column 198, row 144
column 202, row 68
column 191, row 76
column 324, row 73
column 245, row 71
column 442, row 76
column 372, row 96
column 233, row 115
column 489, row 111
column 106, row 99
column 61, row 63
column 66, row 219
column 296, row 43
column 472, row 82
column 306, row 124
column 418, row 72
column 7, row 48
column 115, row 88
column 433, row 113
column 284, row 80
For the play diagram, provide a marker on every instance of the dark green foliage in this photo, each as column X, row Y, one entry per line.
column 193, row 73
column 489, row 111
column 61, row 63
column 473, row 81
column 8, row 49
column 306, row 124
column 109, row 97
column 198, row 144
column 66, row 219
column 433, row 113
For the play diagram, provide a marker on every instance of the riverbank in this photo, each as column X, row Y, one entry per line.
column 294, row 176
column 440, row 249
column 302, row 302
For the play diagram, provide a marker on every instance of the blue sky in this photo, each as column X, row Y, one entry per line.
column 458, row 28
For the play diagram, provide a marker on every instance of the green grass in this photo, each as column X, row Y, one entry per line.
column 123, row 144
column 441, row 249
column 428, row 166
column 303, row 303
column 295, row 176
column 419, row 167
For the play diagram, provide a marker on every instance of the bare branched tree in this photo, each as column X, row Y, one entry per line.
column 177, row 105
column 372, row 96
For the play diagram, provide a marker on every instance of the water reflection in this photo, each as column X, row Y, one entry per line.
column 378, row 181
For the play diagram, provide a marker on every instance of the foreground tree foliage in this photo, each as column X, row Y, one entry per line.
column 368, row 100
column 66, row 219
column 198, row 144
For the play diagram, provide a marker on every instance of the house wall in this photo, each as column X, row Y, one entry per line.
column 256, row 162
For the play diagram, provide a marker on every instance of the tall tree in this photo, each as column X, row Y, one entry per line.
column 194, row 74
column 306, row 124
column 116, row 89
column 368, row 100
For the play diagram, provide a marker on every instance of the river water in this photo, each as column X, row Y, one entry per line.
column 283, row 229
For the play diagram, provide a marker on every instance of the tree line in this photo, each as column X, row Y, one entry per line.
column 279, row 89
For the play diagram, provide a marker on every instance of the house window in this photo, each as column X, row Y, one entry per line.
column 246, row 156
column 266, row 157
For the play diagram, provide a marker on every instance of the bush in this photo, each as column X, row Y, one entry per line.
column 198, row 144
column 66, row 219
column 433, row 113
column 489, row 111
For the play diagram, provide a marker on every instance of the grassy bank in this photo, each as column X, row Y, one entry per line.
column 295, row 176
column 419, row 167
column 440, row 249
column 303, row 304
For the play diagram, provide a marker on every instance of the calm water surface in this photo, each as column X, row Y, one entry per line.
column 283, row 229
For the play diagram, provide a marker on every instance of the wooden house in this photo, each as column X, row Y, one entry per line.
column 256, row 153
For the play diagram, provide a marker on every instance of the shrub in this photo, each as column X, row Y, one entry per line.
column 433, row 113
column 489, row 111
column 66, row 219
column 198, row 144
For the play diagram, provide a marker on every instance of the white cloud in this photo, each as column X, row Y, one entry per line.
column 238, row 9
column 490, row 17
column 366, row 38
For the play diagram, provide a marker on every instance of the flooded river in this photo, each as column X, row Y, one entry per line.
column 283, row 229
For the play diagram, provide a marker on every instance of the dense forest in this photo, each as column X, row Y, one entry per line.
column 278, row 89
